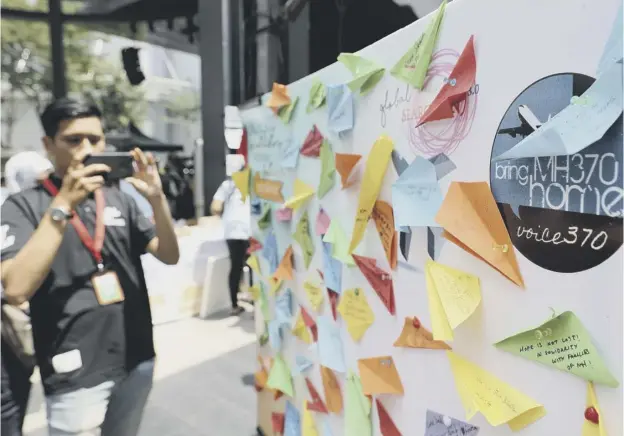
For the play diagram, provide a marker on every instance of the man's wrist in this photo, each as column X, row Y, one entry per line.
column 157, row 199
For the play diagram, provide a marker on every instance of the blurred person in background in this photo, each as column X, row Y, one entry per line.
column 229, row 205
column 22, row 171
column 72, row 249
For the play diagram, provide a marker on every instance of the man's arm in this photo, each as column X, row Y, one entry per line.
column 218, row 200
column 164, row 246
column 28, row 253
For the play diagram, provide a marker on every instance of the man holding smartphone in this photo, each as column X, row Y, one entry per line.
column 72, row 249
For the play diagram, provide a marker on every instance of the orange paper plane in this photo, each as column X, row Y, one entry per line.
column 384, row 221
column 386, row 425
column 284, row 270
column 379, row 376
column 316, row 404
column 456, row 88
column 312, row 145
column 279, row 97
column 333, row 395
column 344, row 165
column 471, row 220
column 268, row 189
column 415, row 335
column 380, row 280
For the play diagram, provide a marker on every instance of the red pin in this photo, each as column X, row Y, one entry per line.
column 591, row 414
column 416, row 322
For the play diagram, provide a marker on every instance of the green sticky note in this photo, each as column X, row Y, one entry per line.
column 304, row 239
column 286, row 112
column 412, row 67
column 317, row 96
column 366, row 73
column 357, row 409
column 340, row 243
column 265, row 219
column 279, row 377
column 328, row 169
column 264, row 337
column 264, row 305
column 563, row 343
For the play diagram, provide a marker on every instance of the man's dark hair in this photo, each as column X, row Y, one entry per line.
column 66, row 108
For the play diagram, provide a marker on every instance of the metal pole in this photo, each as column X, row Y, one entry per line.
column 199, row 178
column 227, row 51
column 59, row 86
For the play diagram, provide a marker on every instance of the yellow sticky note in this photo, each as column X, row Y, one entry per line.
column 590, row 428
column 254, row 264
column 499, row 403
column 254, row 291
column 376, row 166
column 340, row 243
column 301, row 331
column 453, row 295
column 241, row 180
column 356, row 312
column 276, row 284
column 308, row 427
column 315, row 294
column 302, row 193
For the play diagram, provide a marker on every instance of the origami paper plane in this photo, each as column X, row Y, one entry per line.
column 254, row 291
column 415, row 335
column 300, row 330
column 564, row 343
column 312, row 145
column 579, row 125
column 302, row 364
column 279, row 97
column 277, row 422
column 416, row 196
column 322, row 222
column 330, row 345
column 613, row 48
column 333, row 301
column 285, row 113
column 442, row 425
column 386, row 425
column 366, row 73
column 328, row 170
column 275, row 335
column 317, row 96
column 264, row 221
column 292, row 420
column 269, row 251
column 314, row 293
column 471, row 220
column 285, row 268
column 309, row 323
column 331, row 388
column 384, row 221
column 593, row 424
column 340, row 243
column 304, row 239
column 443, row 165
column 261, row 376
column 356, row 312
column 453, row 296
column 241, row 180
column 289, row 154
column 376, row 166
column 276, row 284
column 254, row 245
column 332, row 269
column 340, row 108
column 279, row 376
column 399, row 162
column 283, row 214
column 308, row 426
column 283, row 307
column 413, row 65
column 456, row 88
column 357, row 409
column 499, row 403
column 254, row 264
column 268, row 189
column 317, row 403
column 345, row 163
column 302, row 193
column 380, row 280
column 379, row 376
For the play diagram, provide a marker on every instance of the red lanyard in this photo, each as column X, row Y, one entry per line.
column 94, row 245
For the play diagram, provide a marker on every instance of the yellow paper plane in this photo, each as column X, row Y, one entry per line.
column 302, row 193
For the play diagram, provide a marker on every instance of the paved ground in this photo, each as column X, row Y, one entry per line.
column 198, row 389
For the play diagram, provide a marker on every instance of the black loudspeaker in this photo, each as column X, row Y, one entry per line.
column 132, row 65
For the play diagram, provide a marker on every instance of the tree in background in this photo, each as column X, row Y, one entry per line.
column 27, row 71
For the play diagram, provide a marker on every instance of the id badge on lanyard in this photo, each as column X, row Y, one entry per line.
column 106, row 284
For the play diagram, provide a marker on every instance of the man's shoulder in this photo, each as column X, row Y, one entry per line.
column 31, row 198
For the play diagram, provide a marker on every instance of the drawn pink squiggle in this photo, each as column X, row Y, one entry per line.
column 434, row 138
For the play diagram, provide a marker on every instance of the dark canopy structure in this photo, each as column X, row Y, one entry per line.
column 132, row 137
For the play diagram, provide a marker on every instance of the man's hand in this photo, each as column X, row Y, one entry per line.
column 79, row 182
column 146, row 179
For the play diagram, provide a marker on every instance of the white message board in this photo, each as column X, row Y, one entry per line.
column 563, row 215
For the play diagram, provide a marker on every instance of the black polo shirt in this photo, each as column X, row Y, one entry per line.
column 66, row 315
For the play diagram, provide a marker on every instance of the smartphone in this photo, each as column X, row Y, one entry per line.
column 121, row 164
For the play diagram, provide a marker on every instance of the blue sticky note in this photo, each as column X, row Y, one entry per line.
column 613, row 48
column 275, row 335
column 440, row 425
column 340, row 108
column 416, row 196
column 290, row 155
column 330, row 344
column 326, row 427
column 332, row 269
column 269, row 251
column 443, row 165
column 283, row 307
column 302, row 364
column 578, row 125
column 292, row 420
column 399, row 162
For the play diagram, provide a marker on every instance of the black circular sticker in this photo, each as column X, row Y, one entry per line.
column 563, row 213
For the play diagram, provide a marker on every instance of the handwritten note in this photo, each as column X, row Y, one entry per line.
column 356, row 312
column 443, row 425
column 332, row 269
column 303, row 237
column 564, row 343
column 340, row 108
column 384, row 222
column 314, row 293
column 328, row 169
column 268, row 189
column 330, row 344
column 317, row 96
column 267, row 136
